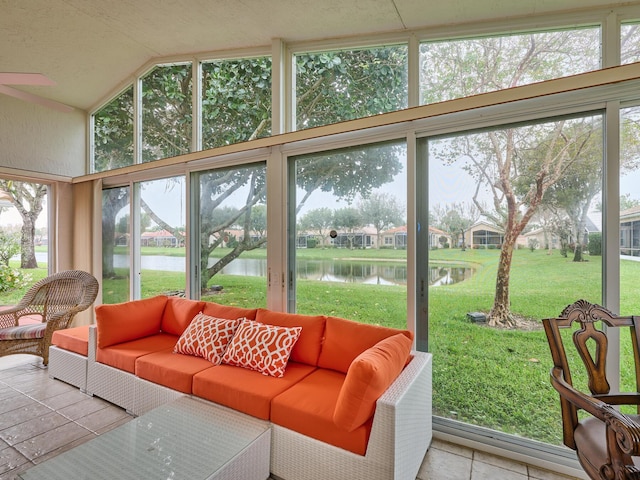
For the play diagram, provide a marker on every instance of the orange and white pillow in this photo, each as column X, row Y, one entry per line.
column 261, row 347
column 207, row 337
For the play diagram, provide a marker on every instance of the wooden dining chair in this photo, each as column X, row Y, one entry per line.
column 607, row 442
column 53, row 302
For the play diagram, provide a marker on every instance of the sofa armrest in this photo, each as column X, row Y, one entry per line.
column 93, row 343
column 402, row 421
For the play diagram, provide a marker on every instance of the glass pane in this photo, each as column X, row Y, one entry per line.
column 460, row 68
column 24, row 238
column 233, row 236
column 351, row 234
column 343, row 85
column 514, row 237
column 113, row 133
column 629, row 43
column 162, row 237
column 629, row 210
column 116, row 245
column 236, row 101
column 166, row 112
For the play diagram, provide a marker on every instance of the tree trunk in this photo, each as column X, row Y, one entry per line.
column 500, row 314
column 28, row 255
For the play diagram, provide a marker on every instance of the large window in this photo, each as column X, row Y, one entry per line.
column 460, row 68
column 349, row 217
column 517, row 214
column 24, row 237
column 232, row 236
column 342, row 85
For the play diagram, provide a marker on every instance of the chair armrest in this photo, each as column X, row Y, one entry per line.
column 9, row 317
column 627, row 431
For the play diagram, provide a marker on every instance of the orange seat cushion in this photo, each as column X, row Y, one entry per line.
column 74, row 339
column 308, row 407
column 123, row 322
column 370, row 374
column 172, row 370
column 345, row 340
column 225, row 311
column 307, row 348
column 245, row 390
column 124, row 355
column 178, row 314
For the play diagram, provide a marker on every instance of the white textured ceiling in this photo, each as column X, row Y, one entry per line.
column 90, row 46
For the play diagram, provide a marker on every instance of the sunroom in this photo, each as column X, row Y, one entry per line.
column 197, row 154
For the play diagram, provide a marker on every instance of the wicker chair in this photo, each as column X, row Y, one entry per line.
column 55, row 299
column 607, row 441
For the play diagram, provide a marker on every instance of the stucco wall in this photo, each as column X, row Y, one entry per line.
column 39, row 139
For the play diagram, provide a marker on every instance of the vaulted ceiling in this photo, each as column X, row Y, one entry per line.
column 88, row 47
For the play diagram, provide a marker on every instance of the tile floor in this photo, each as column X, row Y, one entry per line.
column 40, row 418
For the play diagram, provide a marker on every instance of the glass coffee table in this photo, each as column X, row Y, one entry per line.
column 186, row 439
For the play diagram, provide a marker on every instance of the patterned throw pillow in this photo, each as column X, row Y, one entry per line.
column 263, row 348
column 207, row 337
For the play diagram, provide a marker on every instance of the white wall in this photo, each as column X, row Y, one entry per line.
column 39, row 139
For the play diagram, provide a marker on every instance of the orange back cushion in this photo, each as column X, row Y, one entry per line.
column 225, row 311
column 178, row 314
column 122, row 322
column 307, row 348
column 370, row 374
column 345, row 340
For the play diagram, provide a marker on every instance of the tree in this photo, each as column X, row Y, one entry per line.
column 350, row 220
column 575, row 191
column 382, row 210
column 319, row 221
column 454, row 218
column 113, row 201
column 28, row 198
column 498, row 158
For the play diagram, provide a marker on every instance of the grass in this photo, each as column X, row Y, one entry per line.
column 484, row 376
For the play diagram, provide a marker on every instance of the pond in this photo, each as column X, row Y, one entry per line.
column 342, row 271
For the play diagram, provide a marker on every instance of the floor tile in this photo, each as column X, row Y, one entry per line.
column 10, row 459
column 486, row 471
column 23, row 414
column 32, row 428
column 444, row 465
column 38, row 446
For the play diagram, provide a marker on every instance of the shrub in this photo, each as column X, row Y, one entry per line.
column 533, row 244
column 595, row 243
column 12, row 278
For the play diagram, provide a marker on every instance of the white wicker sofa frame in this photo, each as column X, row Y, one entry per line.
column 400, row 434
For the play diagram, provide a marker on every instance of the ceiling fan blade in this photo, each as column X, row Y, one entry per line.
column 30, row 97
column 8, row 78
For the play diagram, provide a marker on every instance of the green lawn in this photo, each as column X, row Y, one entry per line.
column 490, row 377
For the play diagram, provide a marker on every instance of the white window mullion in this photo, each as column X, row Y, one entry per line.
column 137, row 121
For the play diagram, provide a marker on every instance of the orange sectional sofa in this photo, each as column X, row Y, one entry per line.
column 340, row 396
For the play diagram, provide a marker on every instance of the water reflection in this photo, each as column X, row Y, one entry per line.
column 341, row 271
column 448, row 275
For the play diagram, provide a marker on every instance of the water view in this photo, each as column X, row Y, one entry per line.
column 341, row 271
